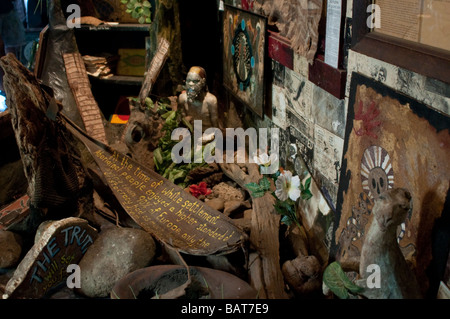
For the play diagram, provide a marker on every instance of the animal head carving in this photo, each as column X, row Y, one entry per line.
column 391, row 208
column 142, row 135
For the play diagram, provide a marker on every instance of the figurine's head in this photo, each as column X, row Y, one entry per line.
column 195, row 82
column 392, row 207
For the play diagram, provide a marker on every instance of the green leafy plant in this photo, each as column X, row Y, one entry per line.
column 338, row 282
column 164, row 165
column 139, row 9
column 305, row 189
column 287, row 209
column 258, row 190
column 148, row 102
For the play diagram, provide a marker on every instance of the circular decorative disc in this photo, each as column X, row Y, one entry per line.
column 377, row 174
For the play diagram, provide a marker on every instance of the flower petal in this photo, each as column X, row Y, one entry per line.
column 281, row 194
column 295, row 181
column 288, row 175
column 294, row 193
column 264, row 158
column 282, row 189
column 273, row 157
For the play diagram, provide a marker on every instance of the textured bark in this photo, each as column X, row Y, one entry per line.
column 57, row 183
column 166, row 25
column 81, row 88
column 265, row 271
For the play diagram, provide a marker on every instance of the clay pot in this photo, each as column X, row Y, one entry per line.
column 157, row 280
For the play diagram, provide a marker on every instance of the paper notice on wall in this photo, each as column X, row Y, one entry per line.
column 298, row 92
column 278, row 106
column 327, row 153
column 333, row 32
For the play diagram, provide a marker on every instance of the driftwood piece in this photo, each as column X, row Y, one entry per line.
column 57, row 40
column 265, row 271
column 144, row 128
column 57, row 183
column 155, row 68
column 81, row 89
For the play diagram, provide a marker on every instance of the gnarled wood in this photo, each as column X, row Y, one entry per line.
column 265, row 271
column 57, row 182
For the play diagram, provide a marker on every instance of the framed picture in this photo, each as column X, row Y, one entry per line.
column 244, row 56
column 391, row 141
column 413, row 35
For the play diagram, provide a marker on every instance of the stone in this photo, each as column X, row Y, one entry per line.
column 115, row 253
column 216, row 203
column 235, row 207
column 227, row 192
column 302, row 274
column 41, row 229
column 10, row 249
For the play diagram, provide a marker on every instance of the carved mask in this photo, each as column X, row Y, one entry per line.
column 195, row 83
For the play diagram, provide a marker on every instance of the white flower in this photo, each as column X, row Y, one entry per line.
column 264, row 159
column 287, row 186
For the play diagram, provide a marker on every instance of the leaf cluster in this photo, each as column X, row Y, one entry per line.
column 148, row 102
column 305, row 189
column 259, row 189
column 338, row 282
column 164, row 165
column 139, row 9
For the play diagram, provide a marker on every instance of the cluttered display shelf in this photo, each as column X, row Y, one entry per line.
column 116, row 57
column 115, row 26
column 123, row 48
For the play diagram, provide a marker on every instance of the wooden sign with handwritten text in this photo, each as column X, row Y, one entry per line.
column 162, row 208
column 64, row 242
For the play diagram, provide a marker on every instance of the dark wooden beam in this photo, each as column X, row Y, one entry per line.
column 328, row 78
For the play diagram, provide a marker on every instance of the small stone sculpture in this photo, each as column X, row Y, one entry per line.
column 302, row 274
column 196, row 103
column 397, row 281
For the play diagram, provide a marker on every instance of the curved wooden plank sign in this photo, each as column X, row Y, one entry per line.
column 162, row 208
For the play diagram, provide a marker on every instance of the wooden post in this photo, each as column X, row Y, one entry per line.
column 265, row 271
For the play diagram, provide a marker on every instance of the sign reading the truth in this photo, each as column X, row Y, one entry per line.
column 64, row 242
column 165, row 210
